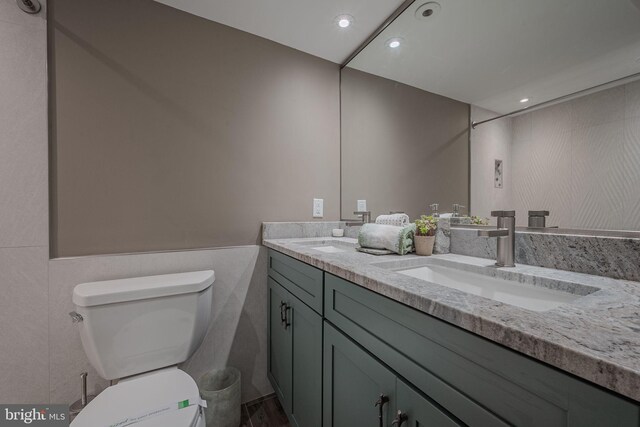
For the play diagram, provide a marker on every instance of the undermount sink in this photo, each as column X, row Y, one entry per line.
column 526, row 291
column 330, row 246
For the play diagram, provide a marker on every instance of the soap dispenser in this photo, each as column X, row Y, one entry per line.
column 434, row 210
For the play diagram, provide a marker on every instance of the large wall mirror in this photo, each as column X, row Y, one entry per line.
column 550, row 85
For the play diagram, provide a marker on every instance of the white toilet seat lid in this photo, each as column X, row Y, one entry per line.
column 141, row 394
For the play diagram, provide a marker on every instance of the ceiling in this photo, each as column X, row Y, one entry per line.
column 306, row 25
column 493, row 53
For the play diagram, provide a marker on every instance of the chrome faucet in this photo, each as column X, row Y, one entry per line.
column 456, row 210
column 506, row 234
column 365, row 218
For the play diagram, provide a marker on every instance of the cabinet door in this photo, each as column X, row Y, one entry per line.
column 306, row 397
column 279, row 345
column 418, row 410
column 353, row 383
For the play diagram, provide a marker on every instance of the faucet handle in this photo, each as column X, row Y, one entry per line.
column 537, row 219
column 538, row 213
column 366, row 215
column 502, row 214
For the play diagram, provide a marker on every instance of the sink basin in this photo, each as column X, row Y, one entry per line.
column 330, row 246
column 526, row 291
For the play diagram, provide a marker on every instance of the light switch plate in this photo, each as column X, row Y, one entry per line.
column 362, row 206
column 318, row 208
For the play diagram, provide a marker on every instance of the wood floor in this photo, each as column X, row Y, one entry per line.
column 264, row 412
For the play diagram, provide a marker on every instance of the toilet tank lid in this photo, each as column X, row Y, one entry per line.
column 138, row 288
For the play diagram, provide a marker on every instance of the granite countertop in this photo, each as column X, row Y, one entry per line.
column 596, row 337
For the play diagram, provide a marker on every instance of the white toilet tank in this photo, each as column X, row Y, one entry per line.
column 130, row 326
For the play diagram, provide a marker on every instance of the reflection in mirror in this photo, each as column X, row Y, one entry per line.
column 562, row 73
column 402, row 148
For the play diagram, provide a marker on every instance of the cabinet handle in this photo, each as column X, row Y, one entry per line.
column 380, row 404
column 399, row 419
column 282, row 313
column 284, row 316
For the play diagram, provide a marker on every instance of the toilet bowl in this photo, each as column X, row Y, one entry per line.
column 146, row 400
column 137, row 330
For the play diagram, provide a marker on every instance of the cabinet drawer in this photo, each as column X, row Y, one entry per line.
column 479, row 381
column 302, row 280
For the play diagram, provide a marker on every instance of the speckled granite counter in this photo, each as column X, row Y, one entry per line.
column 609, row 256
column 596, row 338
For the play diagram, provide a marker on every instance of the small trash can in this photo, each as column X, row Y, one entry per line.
column 221, row 389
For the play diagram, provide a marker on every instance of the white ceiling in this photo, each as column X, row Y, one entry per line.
column 306, row 25
column 492, row 53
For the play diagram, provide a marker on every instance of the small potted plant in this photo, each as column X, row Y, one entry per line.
column 478, row 220
column 425, row 234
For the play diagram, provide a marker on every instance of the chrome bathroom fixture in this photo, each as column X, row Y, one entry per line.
column 84, row 400
column 456, row 210
column 506, row 234
column 538, row 219
column 29, row 6
column 365, row 218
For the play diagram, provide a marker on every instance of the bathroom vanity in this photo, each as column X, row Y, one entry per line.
column 359, row 340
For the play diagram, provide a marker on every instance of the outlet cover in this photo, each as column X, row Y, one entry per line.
column 361, row 206
column 318, row 208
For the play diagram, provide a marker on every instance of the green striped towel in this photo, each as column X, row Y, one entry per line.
column 392, row 238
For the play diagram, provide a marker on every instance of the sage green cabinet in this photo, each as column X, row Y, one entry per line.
column 295, row 356
column 412, row 409
column 361, row 391
column 280, row 354
column 335, row 348
column 480, row 382
column 353, row 384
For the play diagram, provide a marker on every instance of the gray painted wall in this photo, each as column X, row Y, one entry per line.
column 42, row 357
column 174, row 132
column 402, row 148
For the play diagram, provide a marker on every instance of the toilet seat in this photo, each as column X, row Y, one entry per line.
column 142, row 394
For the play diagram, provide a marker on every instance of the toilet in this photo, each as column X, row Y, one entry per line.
column 137, row 331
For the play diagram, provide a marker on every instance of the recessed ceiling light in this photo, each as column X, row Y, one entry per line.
column 344, row 21
column 523, row 100
column 394, row 43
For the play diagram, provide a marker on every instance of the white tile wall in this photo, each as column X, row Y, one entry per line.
column 581, row 160
column 489, row 142
column 23, row 135
column 11, row 14
column 632, row 100
column 41, row 356
column 598, row 180
column 24, row 338
column 24, row 251
column 237, row 334
column 632, row 170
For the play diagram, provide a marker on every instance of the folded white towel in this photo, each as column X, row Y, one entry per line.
column 399, row 220
column 389, row 237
